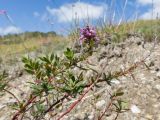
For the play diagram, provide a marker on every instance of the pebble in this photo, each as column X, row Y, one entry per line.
column 11, row 101
column 156, row 106
column 158, row 74
column 100, row 104
column 149, row 117
column 123, row 78
column 115, row 81
column 91, row 116
column 157, row 87
column 2, row 106
column 89, row 74
column 135, row 109
column 152, row 71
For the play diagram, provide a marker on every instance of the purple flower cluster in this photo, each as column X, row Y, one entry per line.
column 2, row 12
column 88, row 33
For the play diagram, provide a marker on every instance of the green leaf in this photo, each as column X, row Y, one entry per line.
column 107, row 78
column 39, row 88
column 124, row 105
column 121, row 105
column 15, row 106
column 119, row 92
column 45, row 59
column 52, row 57
column 2, row 86
column 69, row 54
column 30, row 71
column 40, row 108
column 3, row 82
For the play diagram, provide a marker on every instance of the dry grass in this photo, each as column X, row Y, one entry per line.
column 39, row 45
column 147, row 28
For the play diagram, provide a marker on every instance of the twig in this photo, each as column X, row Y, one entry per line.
column 116, row 116
column 100, row 91
column 15, row 117
column 12, row 95
column 106, row 109
column 58, row 101
column 76, row 102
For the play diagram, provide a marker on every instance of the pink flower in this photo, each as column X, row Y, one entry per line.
column 2, row 12
column 88, row 33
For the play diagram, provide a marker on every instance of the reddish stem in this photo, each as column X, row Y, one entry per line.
column 58, row 101
column 106, row 109
column 15, row 117
column 12, row 95
column 76, row 102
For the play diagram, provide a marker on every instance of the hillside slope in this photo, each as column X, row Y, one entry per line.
column 13, row 47
column 141, row 85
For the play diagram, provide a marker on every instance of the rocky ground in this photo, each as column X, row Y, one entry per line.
column 141, row 86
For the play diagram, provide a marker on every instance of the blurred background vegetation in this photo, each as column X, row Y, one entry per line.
column 14, row 46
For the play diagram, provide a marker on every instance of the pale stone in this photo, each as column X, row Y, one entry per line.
column 152, row 71
column 2, row 106
column 135, row 109
column 149, row 117
column 91, row 116
column 100, row 104
column 157, row 87
column 115, row 81
column 158, row 74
